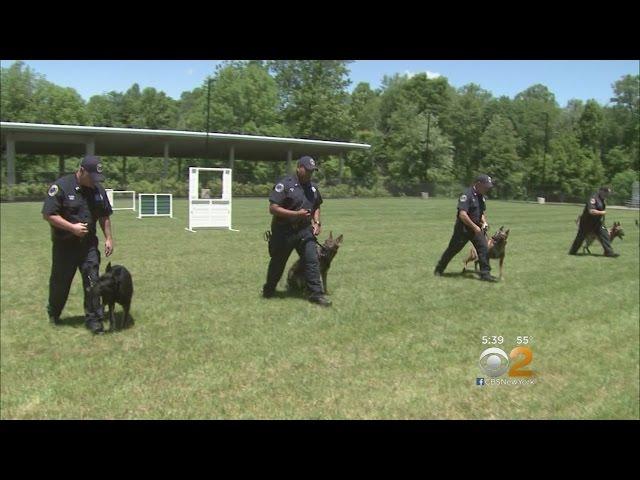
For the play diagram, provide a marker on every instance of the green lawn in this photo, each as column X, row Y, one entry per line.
column 398, row 342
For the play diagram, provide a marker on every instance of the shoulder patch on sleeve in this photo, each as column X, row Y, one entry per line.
column 463, row 198
column 53, row 190
column 279, row 187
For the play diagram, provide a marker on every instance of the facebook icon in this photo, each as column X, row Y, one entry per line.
column 480, row 381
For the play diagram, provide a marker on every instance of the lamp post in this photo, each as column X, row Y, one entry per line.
column 206, row 144
column 544, row 158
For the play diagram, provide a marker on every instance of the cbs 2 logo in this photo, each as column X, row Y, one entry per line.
column 495, row 361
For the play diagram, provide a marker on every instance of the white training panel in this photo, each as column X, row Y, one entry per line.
column 111, row 191
column 209, row 212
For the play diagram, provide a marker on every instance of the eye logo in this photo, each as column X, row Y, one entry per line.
column 99, row 168
column 494, row 361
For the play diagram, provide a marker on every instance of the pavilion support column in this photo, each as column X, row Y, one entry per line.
column 90, row 147
column 289, row 161
column 11, row 160
column 232, row 156
column 124, row 172
column 61, row 166
column 165, row 165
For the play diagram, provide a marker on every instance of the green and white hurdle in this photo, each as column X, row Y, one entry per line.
column 155, row 205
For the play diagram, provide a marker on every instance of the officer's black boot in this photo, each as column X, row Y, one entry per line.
column 268, row 292
column 487, row 277
column 320, row 300
column 54, row 319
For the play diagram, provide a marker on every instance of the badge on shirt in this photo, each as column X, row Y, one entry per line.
column 53, row 190
column 593, row 201
column 72, row 197
column 463, row 198
column 279, row 188
column 313, row 189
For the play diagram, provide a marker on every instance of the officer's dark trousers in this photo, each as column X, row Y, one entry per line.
column 459, row 239
column 67, row 258
column 281, row 244
column 601, row 234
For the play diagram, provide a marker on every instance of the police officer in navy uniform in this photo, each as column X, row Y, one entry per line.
column 470, row 222
column 73, row 206
column 295, row 205
column 592, row 221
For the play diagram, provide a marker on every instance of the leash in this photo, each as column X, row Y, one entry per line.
column 315, row 239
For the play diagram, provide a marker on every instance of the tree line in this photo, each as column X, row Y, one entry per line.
column 426, row 135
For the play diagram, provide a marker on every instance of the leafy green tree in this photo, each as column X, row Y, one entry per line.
column 617, row 160
column 364, row 106
column 571, row 169
column 466, row 116
column 58, row 105
column 535, row 113
column 499, row 148
column 18, row 83
column 156, row 110
column 570, row 116
column 192, row 110
column 314, row 98
column 622, row 183
column 626, row 102
column 130, row 108
column 105, row 110
column 244, row 99
column 419, row 154
column 590, row 125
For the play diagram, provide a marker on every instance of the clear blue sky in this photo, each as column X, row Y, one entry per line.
column 582, row 79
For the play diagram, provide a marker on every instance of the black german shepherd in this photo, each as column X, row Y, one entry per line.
column 115, row 286
column 326, row 253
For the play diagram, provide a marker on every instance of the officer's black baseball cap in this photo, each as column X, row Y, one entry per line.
column 485, row 180
column 92, row 165
column 307, row 162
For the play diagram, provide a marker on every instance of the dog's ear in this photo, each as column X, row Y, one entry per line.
column 330, row 234
column 502, row 228
column 108, row 267
column 339, row 240
column 507, row 232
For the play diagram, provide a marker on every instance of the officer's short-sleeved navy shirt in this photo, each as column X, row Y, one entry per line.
column 594, row 203
column 76, row 204
column 473, row 203
column 289, row 193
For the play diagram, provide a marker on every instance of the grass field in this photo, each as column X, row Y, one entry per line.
column 398, row 342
